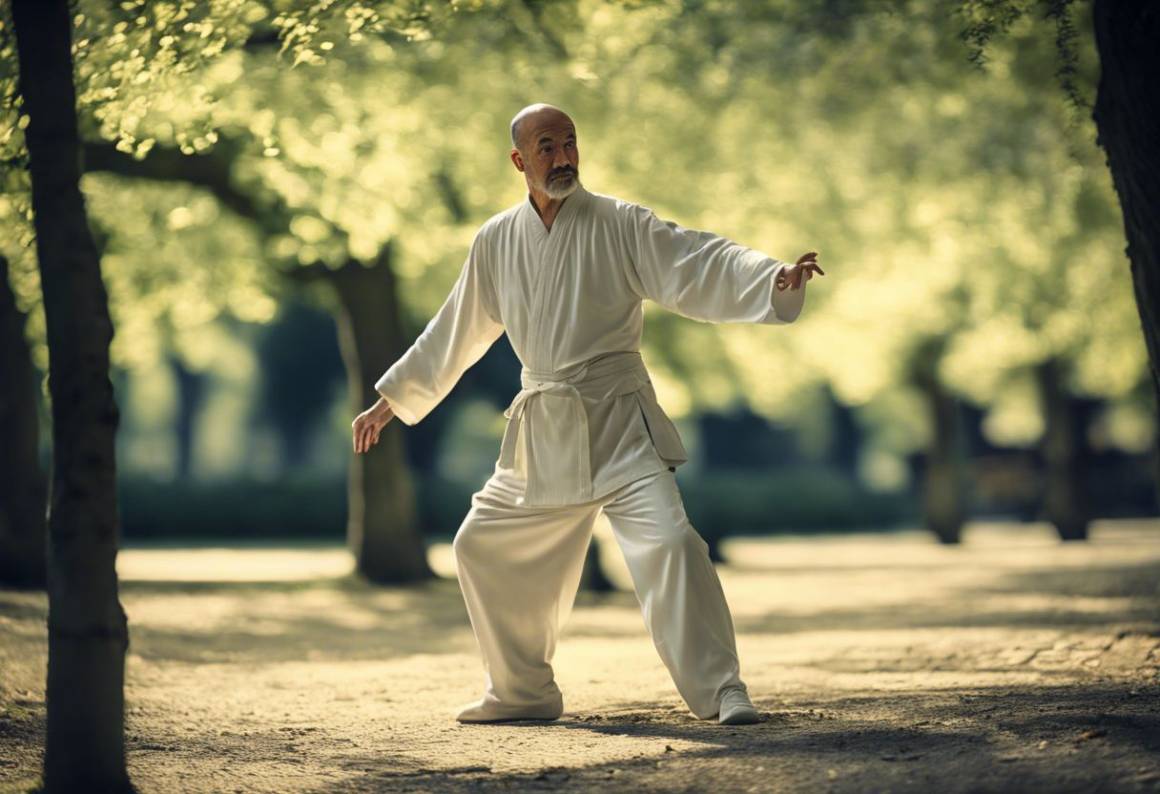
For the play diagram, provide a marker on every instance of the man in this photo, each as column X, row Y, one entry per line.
column 564, row 274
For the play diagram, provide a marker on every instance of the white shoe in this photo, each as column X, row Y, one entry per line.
column 489, row 711
column 737, row 709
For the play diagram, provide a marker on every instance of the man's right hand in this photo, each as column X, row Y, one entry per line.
column 369, row 424
column 801, row 271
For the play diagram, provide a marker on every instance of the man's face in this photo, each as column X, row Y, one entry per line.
column 547, row 154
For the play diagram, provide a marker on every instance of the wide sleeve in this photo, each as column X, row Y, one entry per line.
column 457, row 336
column 704, row 276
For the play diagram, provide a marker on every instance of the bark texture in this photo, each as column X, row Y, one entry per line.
column 1127, row 116
column 87, row 628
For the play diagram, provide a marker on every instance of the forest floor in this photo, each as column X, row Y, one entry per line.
column 879, row 662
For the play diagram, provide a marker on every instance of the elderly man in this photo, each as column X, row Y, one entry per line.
column 564, row 274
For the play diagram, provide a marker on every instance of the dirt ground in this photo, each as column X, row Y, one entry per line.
column 880, row 663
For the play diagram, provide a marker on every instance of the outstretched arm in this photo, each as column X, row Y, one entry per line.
column 457, row 336
column 710, row 278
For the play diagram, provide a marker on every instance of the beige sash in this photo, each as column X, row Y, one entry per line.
column 546, row 440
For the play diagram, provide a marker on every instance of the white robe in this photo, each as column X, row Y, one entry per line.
column 587, row 419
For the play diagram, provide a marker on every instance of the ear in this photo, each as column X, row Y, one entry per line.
column 517, row 160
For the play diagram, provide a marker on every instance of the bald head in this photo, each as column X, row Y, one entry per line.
column 536, row 116
column 544, row 150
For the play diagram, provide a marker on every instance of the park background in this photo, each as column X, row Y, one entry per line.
column 283, row 194
column 276, row 227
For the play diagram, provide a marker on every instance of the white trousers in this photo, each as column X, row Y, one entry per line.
column 519, row 568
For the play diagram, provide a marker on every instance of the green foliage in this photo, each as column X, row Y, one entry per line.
column 949, row 202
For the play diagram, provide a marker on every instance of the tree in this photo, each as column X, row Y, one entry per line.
column 22, row 485
column 87, row 628
column 1127, row 121
column 966, row 211
column 1127, row 114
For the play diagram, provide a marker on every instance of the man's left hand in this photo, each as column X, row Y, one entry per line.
column 793, row 276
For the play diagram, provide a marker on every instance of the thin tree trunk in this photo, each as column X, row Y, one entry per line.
column 22, row 485
column 1127, row 116
column 87, row 628
column 1065, row 499
column 190, row 396
column 381, row 531
column 944, row 483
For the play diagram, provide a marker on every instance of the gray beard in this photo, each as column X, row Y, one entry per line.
column 561, row 188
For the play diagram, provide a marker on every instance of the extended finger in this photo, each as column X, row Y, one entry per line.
column 816, row 267
column 807, row 257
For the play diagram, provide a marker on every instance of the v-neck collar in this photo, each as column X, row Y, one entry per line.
column 567, row 209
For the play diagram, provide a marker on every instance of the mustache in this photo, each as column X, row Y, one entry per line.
column 569, row 170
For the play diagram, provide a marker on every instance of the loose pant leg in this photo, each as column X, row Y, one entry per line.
column 519, row 569
column 680, row 595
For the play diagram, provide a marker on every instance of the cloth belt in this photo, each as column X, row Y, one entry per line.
column 553, row 447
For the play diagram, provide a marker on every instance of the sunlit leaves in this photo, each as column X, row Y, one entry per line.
column 948, row 202
column 310, row 30
column 136, row 60
column 175, row 263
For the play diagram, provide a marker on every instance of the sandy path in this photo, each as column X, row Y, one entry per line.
column 1014, row 663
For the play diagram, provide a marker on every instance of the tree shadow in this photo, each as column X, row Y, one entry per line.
column 1069, row 738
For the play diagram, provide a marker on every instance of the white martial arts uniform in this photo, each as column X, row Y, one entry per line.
column 585, row 433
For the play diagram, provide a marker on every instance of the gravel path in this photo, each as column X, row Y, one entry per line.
column 880, row 663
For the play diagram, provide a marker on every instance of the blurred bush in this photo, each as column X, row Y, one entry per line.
column 231, row 509
column 719, row 503
column 805, row 499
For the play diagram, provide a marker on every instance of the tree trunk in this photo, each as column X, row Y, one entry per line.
column 1127, row 116
column 22, row 486
column 87, row 629
column 381, row 530
column 943, row 484
column 190, row 396
column 1065, row 494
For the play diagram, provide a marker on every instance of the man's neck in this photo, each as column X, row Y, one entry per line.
column 546, row 207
